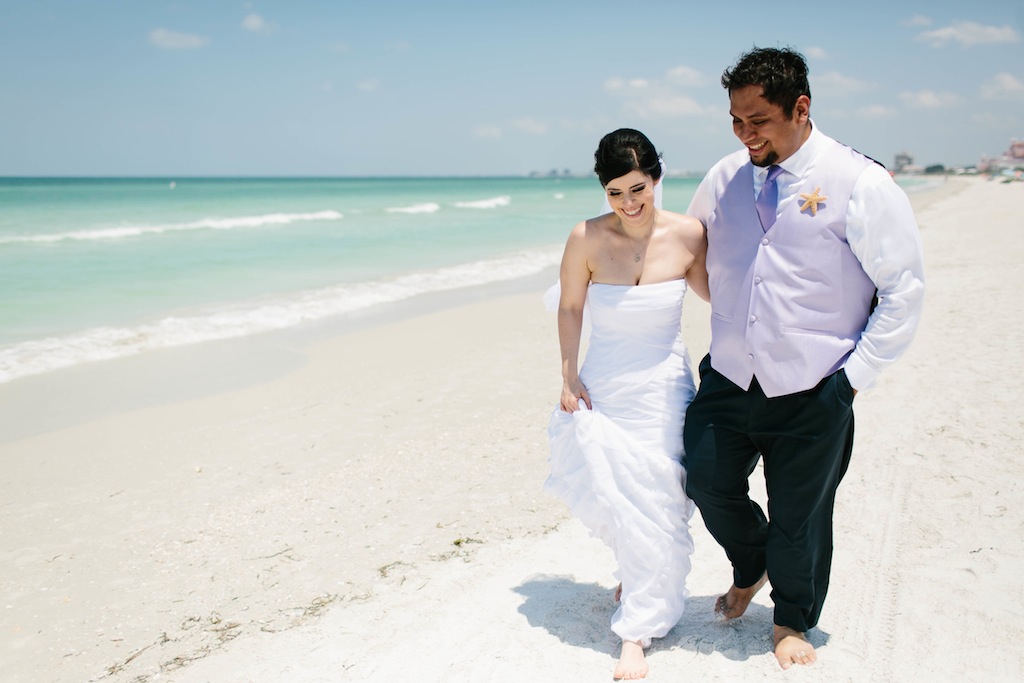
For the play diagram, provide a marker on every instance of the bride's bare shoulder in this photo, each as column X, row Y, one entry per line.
column 596, row 227
column 686, row 231
column 682, row 224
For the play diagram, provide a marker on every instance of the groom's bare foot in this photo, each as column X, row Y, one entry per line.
column 632, row 663
column 735, row 601
column 791, row 647
column 618, row 593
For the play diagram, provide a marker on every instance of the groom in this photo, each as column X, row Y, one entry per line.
column 817, row 284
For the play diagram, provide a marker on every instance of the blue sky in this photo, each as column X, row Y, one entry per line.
column 194, row 87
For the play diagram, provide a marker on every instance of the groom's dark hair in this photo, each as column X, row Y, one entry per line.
column 781, row 72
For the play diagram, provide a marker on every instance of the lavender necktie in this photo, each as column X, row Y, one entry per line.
column 768, row 201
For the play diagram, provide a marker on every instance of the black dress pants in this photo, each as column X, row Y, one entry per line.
column 805, row 440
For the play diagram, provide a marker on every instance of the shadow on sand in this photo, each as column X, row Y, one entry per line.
column 578, row 614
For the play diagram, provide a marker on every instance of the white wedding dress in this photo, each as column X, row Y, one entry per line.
column 618, row 466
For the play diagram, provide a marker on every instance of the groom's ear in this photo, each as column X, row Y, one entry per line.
column 802, row 109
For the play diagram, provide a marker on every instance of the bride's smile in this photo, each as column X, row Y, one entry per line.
column 632, row 198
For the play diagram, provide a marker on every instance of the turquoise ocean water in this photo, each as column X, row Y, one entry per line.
column 92, row 269
column 98, row 268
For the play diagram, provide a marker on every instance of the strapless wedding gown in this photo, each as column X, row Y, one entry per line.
column 618, row 465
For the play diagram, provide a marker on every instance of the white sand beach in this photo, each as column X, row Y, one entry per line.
column 366, row 505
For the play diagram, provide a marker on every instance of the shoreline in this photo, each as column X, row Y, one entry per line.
column 373, row 500
column 42, row 402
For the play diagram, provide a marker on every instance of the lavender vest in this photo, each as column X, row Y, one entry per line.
column 788, row 305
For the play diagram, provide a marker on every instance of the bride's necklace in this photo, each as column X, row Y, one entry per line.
column 639, row 253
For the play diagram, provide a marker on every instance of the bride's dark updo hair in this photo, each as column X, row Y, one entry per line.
column 625, row 150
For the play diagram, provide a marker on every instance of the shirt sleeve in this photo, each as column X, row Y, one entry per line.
column 882, row 232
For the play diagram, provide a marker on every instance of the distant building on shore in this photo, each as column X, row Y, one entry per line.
column 904, row 163
column 553, row 173
column 1012, row 158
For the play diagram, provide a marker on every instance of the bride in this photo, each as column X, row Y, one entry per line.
column 616, row 438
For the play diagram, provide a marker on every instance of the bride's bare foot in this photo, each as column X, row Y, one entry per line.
column 632, row 663
column 735, row 601
column 618, row 593
column 791, row 647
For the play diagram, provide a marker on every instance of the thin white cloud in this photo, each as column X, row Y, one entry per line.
column 929, row 99
column 172, row 40
column 399, row 46
column 657, row 98
column 595, row 125
column 1003, row 86
column 836, row 83
column 614, row 85
column 671, row 106
column 994, row 119
column 969, row 33
column 815, row 52
column 684, row 76
column 487, row 131
column 340, row 46
column 256, row 24
column 368, row 84
column 531, row 126
column 917, row 20
column 621, row 85
column 876, row 111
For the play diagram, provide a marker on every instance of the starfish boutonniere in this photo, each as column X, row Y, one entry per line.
column 812, row 200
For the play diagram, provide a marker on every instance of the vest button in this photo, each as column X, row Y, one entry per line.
column 753, row 318
column 765, row 241
column 757, row 280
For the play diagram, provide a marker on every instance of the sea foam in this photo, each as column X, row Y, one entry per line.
column 263, row 315
column 230, row 223
column 426, row 207
column 492, row 203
